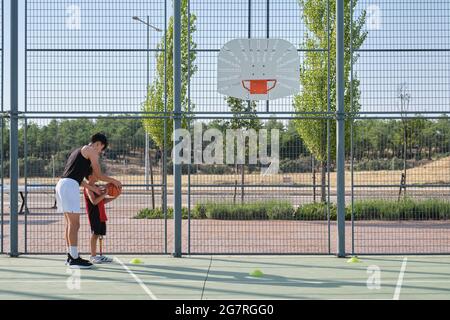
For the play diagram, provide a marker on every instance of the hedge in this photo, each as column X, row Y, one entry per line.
column 407, row 209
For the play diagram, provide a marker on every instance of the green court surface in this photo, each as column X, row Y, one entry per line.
column 228, row 277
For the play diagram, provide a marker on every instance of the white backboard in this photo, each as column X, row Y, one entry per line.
column 243, row 60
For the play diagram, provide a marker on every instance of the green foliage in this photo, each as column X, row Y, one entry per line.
column 381, row 164
column 319, row 66
column 241, row 108
column 315, row 211
column 365, row 210
column 383, row 139
column 280, row 210
column 161, row 90
column 300, row 165
column 405, row 209
column 261, row 210
column 158, row 213
column 50, row 144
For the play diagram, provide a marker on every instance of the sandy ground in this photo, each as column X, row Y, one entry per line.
column 435, row 172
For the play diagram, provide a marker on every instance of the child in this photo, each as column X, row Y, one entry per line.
column 95, row 207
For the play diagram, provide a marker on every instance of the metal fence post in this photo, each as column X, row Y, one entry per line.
column 14, row 87
column 189, row 122
column 1, row 135
column 340, row 127
column 177, row 125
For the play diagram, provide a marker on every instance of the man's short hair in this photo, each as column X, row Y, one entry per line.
column 100, row 137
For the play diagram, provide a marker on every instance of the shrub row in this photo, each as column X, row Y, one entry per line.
column 283, row 210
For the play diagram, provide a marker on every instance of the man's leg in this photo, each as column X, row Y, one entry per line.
column 94, row 239
column 73, row 227
column 66, row 232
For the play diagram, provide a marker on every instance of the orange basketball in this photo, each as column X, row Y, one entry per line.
column 112, row 190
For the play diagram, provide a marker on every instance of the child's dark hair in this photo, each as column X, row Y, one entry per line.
column 89, row 172
column 100, row 137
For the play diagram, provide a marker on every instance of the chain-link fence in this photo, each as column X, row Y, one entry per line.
column 108, row 66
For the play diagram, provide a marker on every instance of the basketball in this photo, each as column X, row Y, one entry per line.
column 112, row 190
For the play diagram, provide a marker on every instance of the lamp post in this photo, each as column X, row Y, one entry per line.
column 53, row 166
column 405, row 97
column 146, row 156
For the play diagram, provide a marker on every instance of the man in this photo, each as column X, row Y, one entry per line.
column 68, row 192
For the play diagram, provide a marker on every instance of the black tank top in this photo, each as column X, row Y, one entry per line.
column 77, row 166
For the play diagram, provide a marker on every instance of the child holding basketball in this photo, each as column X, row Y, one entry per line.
column 95, row 207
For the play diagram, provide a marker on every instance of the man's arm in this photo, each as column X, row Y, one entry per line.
column 97, row 171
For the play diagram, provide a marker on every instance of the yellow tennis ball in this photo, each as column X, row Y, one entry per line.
column 256, row 273
column 136, row 261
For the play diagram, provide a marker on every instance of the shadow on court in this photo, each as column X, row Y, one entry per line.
column 226, row 277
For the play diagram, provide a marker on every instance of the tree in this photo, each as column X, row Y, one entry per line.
column 314, row 75
column 244, row 118
column 161, row 91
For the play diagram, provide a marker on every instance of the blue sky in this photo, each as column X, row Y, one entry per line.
column 115, row 81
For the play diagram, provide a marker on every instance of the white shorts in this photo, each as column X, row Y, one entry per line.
column 68, row 196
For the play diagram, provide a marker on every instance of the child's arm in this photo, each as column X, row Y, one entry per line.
column 95, row 200
column 95, row 189
column 107, row 200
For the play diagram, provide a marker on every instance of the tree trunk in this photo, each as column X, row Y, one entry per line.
column 429, row 150
column 323, row 197
column 235, row 192
column 152, row 183
column 235, row 182
column 314, row 179
column 405, row 152
column 242, row 182
column 162, row 178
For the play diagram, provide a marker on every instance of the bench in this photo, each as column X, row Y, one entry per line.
column 30, row 189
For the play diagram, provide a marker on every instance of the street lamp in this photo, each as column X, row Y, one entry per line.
column 405, row 97
column 146, row 156
column 147, row 23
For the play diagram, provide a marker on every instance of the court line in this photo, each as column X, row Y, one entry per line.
column 398, row 288
column 139, row 281
column 206, row 278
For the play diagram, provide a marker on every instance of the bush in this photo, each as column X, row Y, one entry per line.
column 380, row 164
column 158, row 213
column 282, row 210
column 315, row 211
column 263, row 210
column 300, row 165
column 214, row 169
column 407, row 209
column 229, row 211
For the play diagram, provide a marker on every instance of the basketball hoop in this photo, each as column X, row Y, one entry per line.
column 258, row 69
column 259, row 86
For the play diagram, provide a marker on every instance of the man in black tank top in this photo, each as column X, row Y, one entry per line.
column 68, row 191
